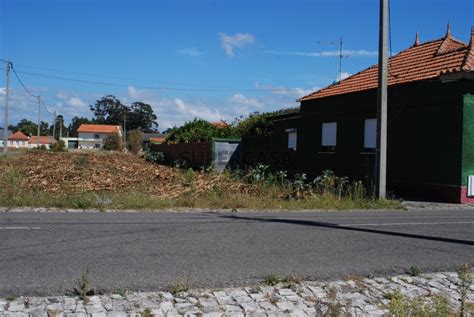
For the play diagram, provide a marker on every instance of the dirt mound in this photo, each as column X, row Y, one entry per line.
column 102, row 171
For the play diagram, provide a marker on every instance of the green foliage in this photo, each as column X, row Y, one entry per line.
column 113, row 142
column 59, row 146
column 272, row 279
column 258, row 124
column 191, row 178
column 414, row 270
column 465, row 277
column 138, row 116
column 155, row 157
column 82, row 287
column 178, row 285
column 197, row 130
column 401, row 306
column 134, row 141
column 30, row 128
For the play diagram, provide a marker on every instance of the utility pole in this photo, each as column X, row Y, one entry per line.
column 381, row 153
column 124, row 129
column 54, row 125
column 5, row 121
column 39, row 122
column 60, row 128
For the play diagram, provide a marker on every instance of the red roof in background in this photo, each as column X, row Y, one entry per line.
column 42, row 140
column 158, row 139
column 419, row 62
column 18, row 136
column 220, row 124
column 98, row 128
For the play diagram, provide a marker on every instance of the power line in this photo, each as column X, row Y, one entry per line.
column 194, row 89
column 21, row 82
column 108, row 76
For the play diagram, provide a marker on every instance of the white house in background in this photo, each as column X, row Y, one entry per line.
column 9, row 133
column 92, row 136
column 18, row 140
column 47, row 141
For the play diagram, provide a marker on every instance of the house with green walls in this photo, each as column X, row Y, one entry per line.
column 430, row 152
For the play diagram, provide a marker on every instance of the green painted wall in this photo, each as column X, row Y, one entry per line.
column 468, row 139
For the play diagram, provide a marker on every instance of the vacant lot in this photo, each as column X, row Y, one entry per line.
column 119, row 180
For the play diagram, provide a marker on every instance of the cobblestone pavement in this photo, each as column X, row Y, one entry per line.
column 358, row 296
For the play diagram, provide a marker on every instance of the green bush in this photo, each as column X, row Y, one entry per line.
column 134, row 141
column 113, row 142
column 155, row 157
column 59, row 146
column 198, row 130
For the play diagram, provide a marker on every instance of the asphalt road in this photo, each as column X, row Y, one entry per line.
column 42, row 253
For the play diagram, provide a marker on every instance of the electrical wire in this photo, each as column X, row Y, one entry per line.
column 159, row 87
column 21, row 82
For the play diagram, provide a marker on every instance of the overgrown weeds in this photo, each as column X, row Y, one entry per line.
column 465, row 278
column 179, row 285
column 402, row 306
column 82, row 287
column 414, row 270
column 97, row 180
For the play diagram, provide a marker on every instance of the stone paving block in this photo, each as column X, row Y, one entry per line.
column 212, row 314
column 114, row 313
column 302, row 300
column 14, row 314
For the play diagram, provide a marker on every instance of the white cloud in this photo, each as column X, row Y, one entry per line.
column 239, row 40
column 76, row 102
column 342, row 76
column 245, row 101
column 348, row 53
column 193, row 52
column 294, row 93
column 137, row 94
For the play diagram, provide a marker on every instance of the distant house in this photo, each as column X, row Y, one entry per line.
column 92, row 136
column 430, row 151
column 9, row 133
column 47, row 141
column 156, row 138
column 18, row 140
column 220, row 124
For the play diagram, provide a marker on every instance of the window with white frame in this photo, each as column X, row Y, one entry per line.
column 370, row 135
column 292, row 139
column 96, row 136
column 328, row 136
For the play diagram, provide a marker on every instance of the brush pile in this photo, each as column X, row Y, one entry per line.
column 75, row 172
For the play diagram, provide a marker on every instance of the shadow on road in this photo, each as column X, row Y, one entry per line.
column 343, row 227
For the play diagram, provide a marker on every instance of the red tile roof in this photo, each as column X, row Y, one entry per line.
column 18, row 136
column 98, row 128
column 419, row 62
column 220, row 124
column 42, row 140
column 158, row 139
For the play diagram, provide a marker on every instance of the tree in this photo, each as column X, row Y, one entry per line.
column 29, row 127
column 63, row 129
column 134, row 141
column 109, row 110
column 113, row 142
column 198, row 130
column 76, row 123
column 141, row 116
column 259, row 124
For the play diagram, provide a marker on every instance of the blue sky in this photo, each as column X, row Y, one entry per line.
column 202, row 58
